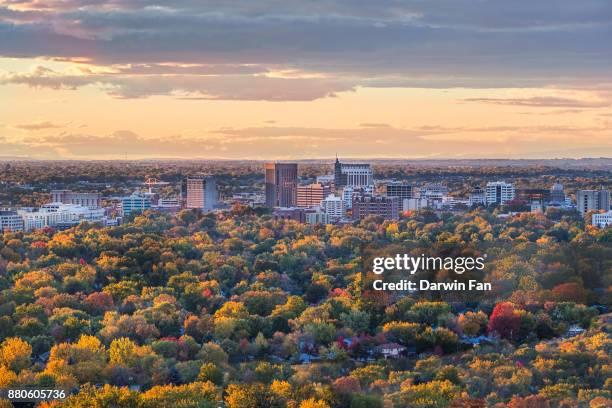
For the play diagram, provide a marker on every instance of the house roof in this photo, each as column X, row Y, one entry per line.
column 388, row 346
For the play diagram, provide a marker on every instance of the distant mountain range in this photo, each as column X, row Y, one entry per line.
column 603, row 163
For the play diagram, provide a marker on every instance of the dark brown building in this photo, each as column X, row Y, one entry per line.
column 293, row 214
column 386, row 207
column 281, row 184
column 401, row 190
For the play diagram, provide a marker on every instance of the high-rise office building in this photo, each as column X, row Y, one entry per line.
column 401, row 190
column 587, row 200
column 386, row 207
column 352, row 174
column 201, row 193
column 499, row 192
column 281, row 184
column 312, row 194
column 89, row 200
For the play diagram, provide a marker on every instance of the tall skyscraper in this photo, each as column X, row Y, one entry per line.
column 499, row 192
column 587, row 200
column 352, row 174
column 281, row 184
column 201, row 192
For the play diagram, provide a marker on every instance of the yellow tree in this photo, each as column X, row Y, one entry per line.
column 313, row 403
column 15, row 354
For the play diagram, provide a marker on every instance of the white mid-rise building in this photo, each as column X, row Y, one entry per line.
column 602, row 220
column 352, row 174
column 316, row 217
column 452, row 202
column 168, row 204
column 414, row 204
column 10, row 221
column 89, row 200
column 333, row 206
column 58, row 215
column 434, row 191
column 499, row 192
column 349, row 192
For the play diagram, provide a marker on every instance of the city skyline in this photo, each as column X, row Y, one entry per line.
column 289, row 80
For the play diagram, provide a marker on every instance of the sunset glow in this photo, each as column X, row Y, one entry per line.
column 235, row 80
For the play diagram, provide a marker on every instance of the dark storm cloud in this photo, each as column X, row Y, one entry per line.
column 385, row 43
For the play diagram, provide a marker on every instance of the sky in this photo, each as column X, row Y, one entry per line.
column 289, row 79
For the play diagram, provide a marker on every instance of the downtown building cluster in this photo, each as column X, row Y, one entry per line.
column 348, row 194
column 351, row 194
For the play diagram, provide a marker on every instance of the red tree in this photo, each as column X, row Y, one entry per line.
column 504, row 320
column 99, row 302
column 570, row 292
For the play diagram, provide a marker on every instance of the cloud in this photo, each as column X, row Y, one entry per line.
column 447, row 43
column 277, row 142
column 42, row 77
column 544, row 102
column 373, row 125
column 185, row 86
column 517, row 14
column 39, row 125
